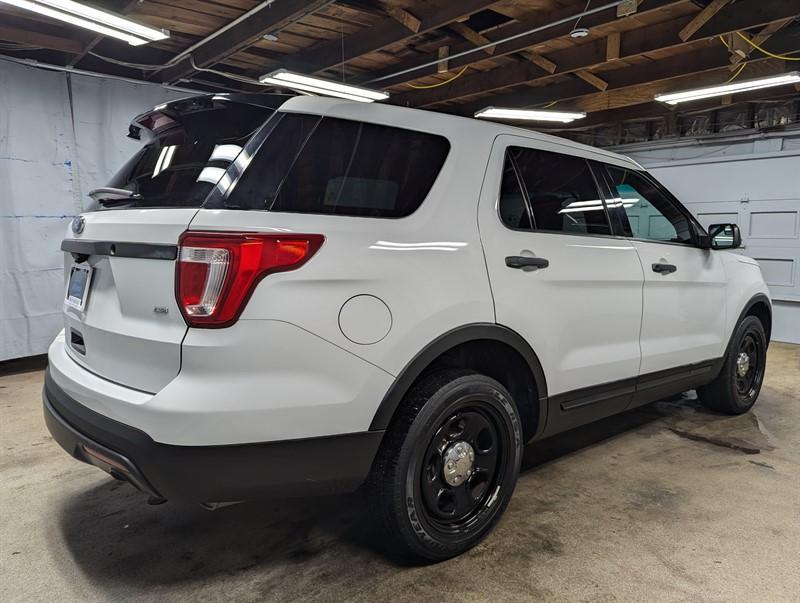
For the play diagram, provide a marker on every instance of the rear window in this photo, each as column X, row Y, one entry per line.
column 313, row 165
column 179, row 166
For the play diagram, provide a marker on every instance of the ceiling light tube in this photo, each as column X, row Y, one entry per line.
column 674, row 98
column 93, row 19
column 307, row 83
column 529, row 114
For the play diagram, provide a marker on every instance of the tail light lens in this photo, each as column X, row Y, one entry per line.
column 217, row 272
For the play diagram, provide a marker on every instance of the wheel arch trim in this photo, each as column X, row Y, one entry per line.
column 759, row 298
column 447, row 341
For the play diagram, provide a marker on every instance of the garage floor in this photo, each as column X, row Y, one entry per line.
column 668, row 502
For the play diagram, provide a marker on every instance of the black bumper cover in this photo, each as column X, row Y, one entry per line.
column 207, row 474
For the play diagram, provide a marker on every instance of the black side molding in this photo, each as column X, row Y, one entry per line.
column 150, row 251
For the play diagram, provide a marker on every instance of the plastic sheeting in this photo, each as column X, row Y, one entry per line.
column 61, row 135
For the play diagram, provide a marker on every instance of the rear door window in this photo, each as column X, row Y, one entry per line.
column 560, row 189
column 340, row 167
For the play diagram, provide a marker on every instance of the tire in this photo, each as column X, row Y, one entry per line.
column 738, row 384
column 425, row 512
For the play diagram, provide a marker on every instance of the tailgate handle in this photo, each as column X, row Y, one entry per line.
column 76, row 341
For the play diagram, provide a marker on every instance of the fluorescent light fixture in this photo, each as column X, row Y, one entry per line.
column 315, row 85
column 529, row 114
column 674, row 98
column 96, row 20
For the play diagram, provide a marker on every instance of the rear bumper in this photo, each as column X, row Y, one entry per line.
column 208, row 473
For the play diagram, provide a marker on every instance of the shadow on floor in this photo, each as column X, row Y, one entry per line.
column 23, row 365
column 116, row 538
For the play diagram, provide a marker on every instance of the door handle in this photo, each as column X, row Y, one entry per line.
column 521, row 261
column 664, row 268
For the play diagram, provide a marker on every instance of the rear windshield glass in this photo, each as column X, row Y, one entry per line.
column 308, row 164
column 181, row 165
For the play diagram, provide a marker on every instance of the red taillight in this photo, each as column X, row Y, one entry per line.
column 218, row 271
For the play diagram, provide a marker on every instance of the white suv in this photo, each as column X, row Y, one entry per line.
column 286, row 297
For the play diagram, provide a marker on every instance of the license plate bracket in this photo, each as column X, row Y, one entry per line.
column 80, row 277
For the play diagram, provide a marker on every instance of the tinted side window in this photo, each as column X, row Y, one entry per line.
column 513, row 207
column 650, row 213
column 343, row 167
column 562, row 192
column 263, row 177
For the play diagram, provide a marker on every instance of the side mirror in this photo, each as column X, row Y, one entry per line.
column 725, row 236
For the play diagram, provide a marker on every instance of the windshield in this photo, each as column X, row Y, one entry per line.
column 186, row 159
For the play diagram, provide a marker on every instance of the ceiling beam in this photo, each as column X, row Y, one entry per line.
column 591, row 78
column 43, row 40
column 655, row 110
column 470, row 35
column 245, row 33
column 386, row 77
column 386, row 32
column 643, row 40
column 633, row 78
column 702, row 18
column 121, row 7
column 762, row 36
column 644, row 92
column 402, row 16
column 613, row 43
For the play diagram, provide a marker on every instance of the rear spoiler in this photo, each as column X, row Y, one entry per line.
column 167, row 115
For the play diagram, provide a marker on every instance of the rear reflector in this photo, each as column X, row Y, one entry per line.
column 217, row 272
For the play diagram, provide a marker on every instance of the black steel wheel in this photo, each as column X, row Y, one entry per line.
column 447, row 466
column 738, row 384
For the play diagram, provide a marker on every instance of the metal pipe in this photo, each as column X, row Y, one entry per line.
column 464, row 53
column 51, row 67
column 220, row 31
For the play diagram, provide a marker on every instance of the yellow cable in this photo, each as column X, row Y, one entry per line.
column 456, row 76
column 721, row 39
column 738, row 71
column 766, row 52
column 549, row 105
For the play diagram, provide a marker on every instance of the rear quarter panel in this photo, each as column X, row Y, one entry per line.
column 428, row 268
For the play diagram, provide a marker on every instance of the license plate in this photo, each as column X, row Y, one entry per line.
column 78, row 287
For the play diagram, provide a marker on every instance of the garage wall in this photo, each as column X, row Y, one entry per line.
column 754, row 182
column 60, row 136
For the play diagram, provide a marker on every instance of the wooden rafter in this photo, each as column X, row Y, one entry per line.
column 537, row 59
column 656, row 110
column 432, row 15
column 42, row 40
column 121, row 7
column 645, row 91
column 402, row 16
column 470, row 35
column 636, row 79
column 762, row 36
column 591, row 78
column 242, row 35
column 703, row 17
column 444, row 65
column 637, row 42
column 602, row 18
column 613, row 43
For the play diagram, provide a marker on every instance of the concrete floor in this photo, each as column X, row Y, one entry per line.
column 669, row 502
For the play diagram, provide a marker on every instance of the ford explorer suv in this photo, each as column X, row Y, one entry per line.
column 287, row 296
